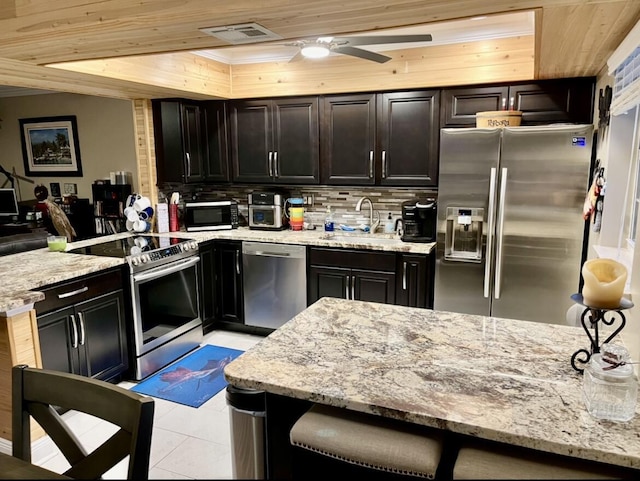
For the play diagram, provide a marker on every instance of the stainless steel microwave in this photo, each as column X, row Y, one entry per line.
column 216, row 215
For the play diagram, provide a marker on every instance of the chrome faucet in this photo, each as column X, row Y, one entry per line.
column 372, row 225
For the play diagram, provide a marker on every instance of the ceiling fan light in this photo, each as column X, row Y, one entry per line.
column 315, row 51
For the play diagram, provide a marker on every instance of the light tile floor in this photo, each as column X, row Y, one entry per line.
column 187, row 443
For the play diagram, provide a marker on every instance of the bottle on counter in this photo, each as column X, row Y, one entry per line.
column 328, row 220
column 609, row 385
column 389, row 226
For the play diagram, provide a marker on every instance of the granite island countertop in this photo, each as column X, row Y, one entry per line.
column 499, row 379
column 25, row 272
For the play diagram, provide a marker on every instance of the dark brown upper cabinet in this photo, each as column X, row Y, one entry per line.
column 380, row 139
column 408, row 134
column 179, row 141
column 542, row 102
column 348, row 133
column 216, row 160
column 275, row 141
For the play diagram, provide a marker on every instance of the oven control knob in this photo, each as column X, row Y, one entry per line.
column 194, row 244
column 143, row 259
column 135, row 261
column 186, row 246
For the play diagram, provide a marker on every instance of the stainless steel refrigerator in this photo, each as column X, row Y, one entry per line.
column 510, row 228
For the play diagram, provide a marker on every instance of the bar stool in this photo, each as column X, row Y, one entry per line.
column 331, row 441
column 490, row 460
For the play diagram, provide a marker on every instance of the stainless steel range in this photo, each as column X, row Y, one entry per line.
column 164, row 294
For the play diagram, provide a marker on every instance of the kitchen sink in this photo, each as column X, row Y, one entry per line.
column 360, row 239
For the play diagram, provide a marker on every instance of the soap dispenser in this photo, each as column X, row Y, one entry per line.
column 389, row 226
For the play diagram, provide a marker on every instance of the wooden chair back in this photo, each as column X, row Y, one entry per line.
column 36, row 394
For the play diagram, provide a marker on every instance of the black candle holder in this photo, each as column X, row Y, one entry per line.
column 590, row 318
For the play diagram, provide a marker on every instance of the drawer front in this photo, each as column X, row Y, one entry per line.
column 354, row 259
column 68, row 293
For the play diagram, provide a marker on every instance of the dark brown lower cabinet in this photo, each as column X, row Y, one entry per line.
column 374, row 276
column 208, row 281
column 414, row 280
column 351, row 274
column 88, row 338
column 221, row 283
column 230, row 300
column 356, row 284
column 82, row 325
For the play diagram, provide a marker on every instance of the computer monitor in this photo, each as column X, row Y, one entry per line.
column 8, row 204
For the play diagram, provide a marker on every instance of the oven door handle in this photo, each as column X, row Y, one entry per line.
column 178, row 266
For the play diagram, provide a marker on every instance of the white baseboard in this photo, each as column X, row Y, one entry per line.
column 42, row 449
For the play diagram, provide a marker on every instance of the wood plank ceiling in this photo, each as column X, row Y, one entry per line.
column 573, row 38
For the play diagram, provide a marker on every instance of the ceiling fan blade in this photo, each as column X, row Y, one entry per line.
column 297, row 57
column 382, row 39
column 358, row 52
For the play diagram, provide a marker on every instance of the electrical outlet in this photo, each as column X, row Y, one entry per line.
column 308, row 199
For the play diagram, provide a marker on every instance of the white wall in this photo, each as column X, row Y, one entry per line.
column 616, row 149
column 105, row 133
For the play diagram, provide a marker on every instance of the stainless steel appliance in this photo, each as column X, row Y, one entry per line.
column 164, row 289
column 274, row 283
column 215, row 215
column 266, row 211
column 419, row 220
column 510, row 228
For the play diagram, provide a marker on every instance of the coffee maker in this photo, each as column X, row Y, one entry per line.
column 419, row 220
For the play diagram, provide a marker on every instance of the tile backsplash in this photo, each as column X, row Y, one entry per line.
column 341, row 199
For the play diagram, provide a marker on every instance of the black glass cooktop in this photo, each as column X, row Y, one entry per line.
column 129, row 246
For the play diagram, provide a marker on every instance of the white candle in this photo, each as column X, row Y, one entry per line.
column 604, row 281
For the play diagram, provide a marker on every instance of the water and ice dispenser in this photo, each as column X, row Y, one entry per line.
column 463, row 235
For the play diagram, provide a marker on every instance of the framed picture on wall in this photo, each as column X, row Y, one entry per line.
column 50, row 147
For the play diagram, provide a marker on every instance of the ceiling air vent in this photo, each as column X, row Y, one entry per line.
column 239, row 34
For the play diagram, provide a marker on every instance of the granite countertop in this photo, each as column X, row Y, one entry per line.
column 500, row 379
column 25, row 272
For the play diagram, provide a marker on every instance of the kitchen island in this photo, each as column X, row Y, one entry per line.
column 497, row 379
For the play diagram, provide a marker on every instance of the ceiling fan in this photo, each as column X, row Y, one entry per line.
column 322, row 46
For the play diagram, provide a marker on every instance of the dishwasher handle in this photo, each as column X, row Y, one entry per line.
column 270, row 254
column 264, row 249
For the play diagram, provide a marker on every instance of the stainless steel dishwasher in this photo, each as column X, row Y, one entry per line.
column 274, row 283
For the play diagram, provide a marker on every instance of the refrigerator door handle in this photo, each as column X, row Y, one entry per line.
column 491, row 217
column 500, row 232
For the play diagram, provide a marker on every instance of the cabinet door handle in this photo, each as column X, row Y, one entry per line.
column 238, row 262
column 270, row 164
column 188, row 165
column 384, row 164
column 353, row 288
column 275, row 164
column 81, row 319
column 504, row 103
column 346, row 289
column 371, row 164
column 404, row 276
column 74, row 328
column 511, row 103
column 73, row 293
